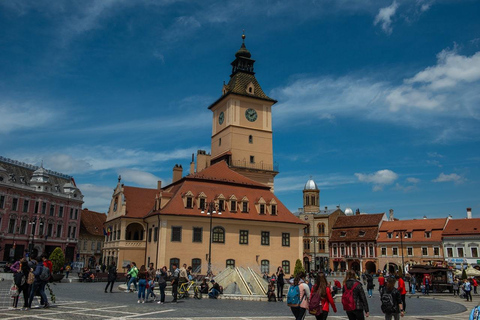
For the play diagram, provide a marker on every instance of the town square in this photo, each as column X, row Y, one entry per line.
column 227, row 160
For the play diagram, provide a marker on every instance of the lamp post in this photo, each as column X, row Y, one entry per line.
column 211, row 210
column 401, row 234
column 33, row 222
column 314, row 240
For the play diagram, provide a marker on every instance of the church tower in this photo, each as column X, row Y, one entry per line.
column 311, row 197
column 242, row 123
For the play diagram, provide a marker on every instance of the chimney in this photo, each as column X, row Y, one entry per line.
column 391, row 215
column 424, row 217
column 338, row 207
column 326, row 208
column 159, row 185
column 469, row 213
column 192, row 164
column 357, row 212
column 177, row 173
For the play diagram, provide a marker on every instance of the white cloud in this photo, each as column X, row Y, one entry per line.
column 413, row 180
column 21, row 116
column 96, row 197
column 379, row 179
column 449, row 114
column 384, row 17
column 139, row 177
column 424, row 5
column 295, row 182
column 449, row 177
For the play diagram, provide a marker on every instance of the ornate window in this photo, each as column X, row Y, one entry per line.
column 265, row 266
column 231, row 263
column 286, row 266
column 243, row 237
column 321, row 228
column 265, row 238
column 321, row 245
column 218, row 235
column 286, row 239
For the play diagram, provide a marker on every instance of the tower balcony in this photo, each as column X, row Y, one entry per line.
column 243, row 164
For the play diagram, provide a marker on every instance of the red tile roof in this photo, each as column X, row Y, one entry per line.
column 462, row 227
column 354, row 234
column 418, row 227
column 220, row 179
column 139, row 201
column 92, row 222
column 361, row 220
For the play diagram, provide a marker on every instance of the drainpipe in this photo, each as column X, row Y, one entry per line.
column 158, row 241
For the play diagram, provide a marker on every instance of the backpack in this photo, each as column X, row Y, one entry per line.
column 315, row 304
column 387, row 301
column 348, row 301
column 19, row 279
column 31, row 277
column 293, row 296
column 45, row 274
column 475, row 313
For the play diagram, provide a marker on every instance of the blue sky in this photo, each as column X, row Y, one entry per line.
column 378, row 101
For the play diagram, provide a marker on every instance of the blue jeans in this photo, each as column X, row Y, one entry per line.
column 213, row 293
column 413, row 289
column 134, row 281
column 40, row 286
column 150, row 292
column 142, row 284
column 370, row 292
column 162, row 286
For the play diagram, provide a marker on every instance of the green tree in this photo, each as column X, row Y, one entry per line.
column 298, row 267
column 464, row 274
column 58, row 259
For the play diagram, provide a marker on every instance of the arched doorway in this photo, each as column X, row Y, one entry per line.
column 391, row 268
column 355, row 266
column 371, row 267
column 134, row 232
column 306, row 264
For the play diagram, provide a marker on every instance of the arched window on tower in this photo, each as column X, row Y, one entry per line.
column 250, row 139
column 321, row 228
column 312, row 199
column 321, row 245
column 307, row 200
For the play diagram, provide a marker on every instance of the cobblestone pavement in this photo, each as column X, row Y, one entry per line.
column 88, row 301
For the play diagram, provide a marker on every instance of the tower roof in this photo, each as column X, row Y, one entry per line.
column 310, row 185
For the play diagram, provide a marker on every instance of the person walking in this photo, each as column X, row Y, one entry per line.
column 151, row 275
column 402, row 290
column 175, row 279
column 133, row 273
column 467, row 288
column 280, row 283
column 370, row 285
column 413, row 283
column 354, row 287
column 475, row 285
column 38, row 284
column 112, row 276
column 456, row 288
column 381, row 281
column 67, row 270
column 20, row 279
column 162, row 283
column 323, row 290
column 299, row 280
column 391, row 301
column 142, row 284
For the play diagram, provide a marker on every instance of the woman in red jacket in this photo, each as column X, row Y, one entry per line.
column 403, row 291
column 324, row 291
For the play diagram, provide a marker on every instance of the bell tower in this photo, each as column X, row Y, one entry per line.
column 242, row 123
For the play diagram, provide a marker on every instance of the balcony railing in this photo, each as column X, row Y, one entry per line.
column 255, row 166
column 354, row 256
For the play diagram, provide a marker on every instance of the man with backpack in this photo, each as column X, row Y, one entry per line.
column 391, row 300
column 42, row 274
column 354, row 300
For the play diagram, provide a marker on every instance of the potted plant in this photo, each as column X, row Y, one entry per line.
column 58, row 260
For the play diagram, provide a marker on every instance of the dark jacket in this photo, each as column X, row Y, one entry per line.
column 112, row 273
column 396, row 297
column 38, row 271
column 162, row 277
column 361, row 302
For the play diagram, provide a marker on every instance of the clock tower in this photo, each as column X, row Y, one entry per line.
column 242, row 123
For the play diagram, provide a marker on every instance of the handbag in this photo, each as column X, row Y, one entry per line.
column 31, row 277
column 14, row 291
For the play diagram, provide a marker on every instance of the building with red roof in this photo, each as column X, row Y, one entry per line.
column 90, row 239
column 353, row 242
column 417, row 241
column 248, row 225
column 461, row 241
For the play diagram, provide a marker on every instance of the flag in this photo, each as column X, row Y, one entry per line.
column 105, row 232
column 109, row 230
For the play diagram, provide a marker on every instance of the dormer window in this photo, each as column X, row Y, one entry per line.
column 245, row 206
column 189, row 203
column 274, row 209
column 233, row 206
column 389, row 235
column 250, row 88
column 262, row 209
column 202, row 203
column 361, row 233
column 428, row 234
column 343, row 234
column 221, row 205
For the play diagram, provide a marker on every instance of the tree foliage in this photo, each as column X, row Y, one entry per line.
column 58, row 260
column 298, row 267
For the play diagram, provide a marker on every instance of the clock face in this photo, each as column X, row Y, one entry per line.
column 221, row 118
column 251, row 115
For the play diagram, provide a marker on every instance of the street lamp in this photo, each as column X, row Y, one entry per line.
column 314, row 240
column 33, row 222
column 211, row 210
column 401, row 234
